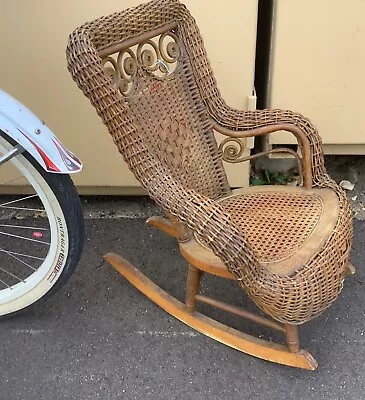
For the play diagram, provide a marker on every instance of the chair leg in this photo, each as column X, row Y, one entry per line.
column 192, row 287
column 292, row 337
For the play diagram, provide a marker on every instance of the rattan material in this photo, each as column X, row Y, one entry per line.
column 276, row 224
column 161, row 121
column 285, row 226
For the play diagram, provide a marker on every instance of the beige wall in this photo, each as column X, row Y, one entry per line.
column 318, row 69
column 33, row 37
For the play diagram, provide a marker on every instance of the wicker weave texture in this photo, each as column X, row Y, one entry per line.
column 277, row 224
column 164, row 132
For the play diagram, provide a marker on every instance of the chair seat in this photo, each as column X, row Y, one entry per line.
column 285, row 226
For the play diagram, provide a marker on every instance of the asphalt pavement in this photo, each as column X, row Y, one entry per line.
column 99, row 338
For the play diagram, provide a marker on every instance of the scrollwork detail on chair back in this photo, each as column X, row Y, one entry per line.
column 158, row 57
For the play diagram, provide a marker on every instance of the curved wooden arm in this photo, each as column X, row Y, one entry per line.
column 302, row 139
column 265, row 153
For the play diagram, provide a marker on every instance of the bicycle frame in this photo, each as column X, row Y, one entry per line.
column 32, row 135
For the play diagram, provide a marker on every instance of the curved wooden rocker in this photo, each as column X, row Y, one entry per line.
column 146, row 72
column 222, row 333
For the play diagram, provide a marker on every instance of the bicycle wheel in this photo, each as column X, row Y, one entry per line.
column 41, row 230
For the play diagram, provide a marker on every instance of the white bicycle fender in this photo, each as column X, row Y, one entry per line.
column 33, row 135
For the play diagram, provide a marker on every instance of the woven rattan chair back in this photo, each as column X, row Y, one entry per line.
column 150, row 73
column 171, row 117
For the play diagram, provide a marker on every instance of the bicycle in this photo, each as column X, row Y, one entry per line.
column 41, row 229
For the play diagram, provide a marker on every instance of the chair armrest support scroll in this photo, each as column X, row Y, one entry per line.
column 297, row 132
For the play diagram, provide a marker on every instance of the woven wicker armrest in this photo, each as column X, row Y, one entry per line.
column 236, row 123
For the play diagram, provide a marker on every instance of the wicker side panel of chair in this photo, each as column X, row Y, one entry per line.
column 290, row 299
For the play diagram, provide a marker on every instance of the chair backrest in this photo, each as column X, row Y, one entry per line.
column 137, row 69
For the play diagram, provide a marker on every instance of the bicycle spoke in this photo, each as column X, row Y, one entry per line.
column 16, row 258
column 24, row 227
column 24, row 238
column 4, row 283
column 23, row 208
column 12, row 275
column 21, row 254
column 17, row 200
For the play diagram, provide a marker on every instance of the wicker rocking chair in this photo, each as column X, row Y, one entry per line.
column 146, row 72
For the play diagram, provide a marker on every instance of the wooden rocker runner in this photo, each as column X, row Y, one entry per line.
column 146, row 72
